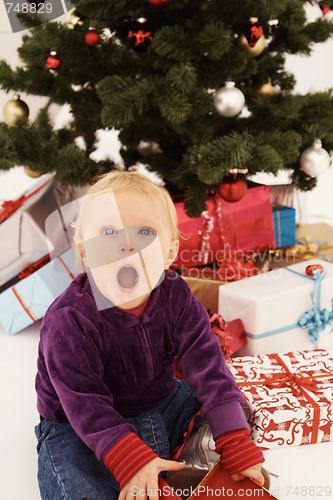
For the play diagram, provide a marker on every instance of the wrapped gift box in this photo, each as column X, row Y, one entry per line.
column 244, row 225
column 206, row 291
column 318, row 238
column 200, row 484
column 284, row 226
column 231, row 334
column 24, row 244
column 288, row 397
column 24, row 230
column 271, row 305
column 28, row 300
column 313, row 241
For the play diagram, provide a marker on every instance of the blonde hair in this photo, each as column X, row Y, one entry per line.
column 122, row 181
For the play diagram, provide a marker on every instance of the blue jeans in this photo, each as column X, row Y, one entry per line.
column 69, row 470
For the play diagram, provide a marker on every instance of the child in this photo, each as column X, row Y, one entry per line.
column 111, row 411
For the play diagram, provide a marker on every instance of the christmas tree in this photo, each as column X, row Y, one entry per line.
column 173, row 77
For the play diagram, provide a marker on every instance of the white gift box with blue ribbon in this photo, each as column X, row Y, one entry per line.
column 282, row 310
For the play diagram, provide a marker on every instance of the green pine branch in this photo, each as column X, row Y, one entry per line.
column 165, row 94
column 195, row 200
column 124, row 99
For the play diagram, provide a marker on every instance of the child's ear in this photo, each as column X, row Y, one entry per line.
column 173, row 251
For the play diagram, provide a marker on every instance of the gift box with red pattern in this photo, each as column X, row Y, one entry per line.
column 288, row 396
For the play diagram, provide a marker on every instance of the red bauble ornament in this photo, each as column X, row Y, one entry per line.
column 140, row 36
column 160, row 3
column 52, row 62
column 92, row 37
column 233, row 187
column 252, row 40
column 253, row 31
column 313, row 269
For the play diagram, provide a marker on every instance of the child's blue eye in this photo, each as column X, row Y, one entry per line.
column 146, row 231
column 109, row 230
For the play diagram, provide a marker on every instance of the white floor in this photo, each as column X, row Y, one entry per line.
column 18, row 415
column 303, row 472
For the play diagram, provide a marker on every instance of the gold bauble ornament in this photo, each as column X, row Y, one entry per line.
column 31, row 173
column 252, row 41
column 266, row 91
column 15, row 109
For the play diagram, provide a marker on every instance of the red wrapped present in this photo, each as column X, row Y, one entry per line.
column 246, row 225
column 231, row 334
column 288, row 397
column 217, row 483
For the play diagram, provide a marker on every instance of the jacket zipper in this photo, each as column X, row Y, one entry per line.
column 148, row 354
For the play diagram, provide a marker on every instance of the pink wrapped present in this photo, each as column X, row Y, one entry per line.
column 244, row 225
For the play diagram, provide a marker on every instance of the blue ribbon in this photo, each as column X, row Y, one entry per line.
column 315, row 320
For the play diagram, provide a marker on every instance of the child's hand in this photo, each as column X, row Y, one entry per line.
column 147, row 480
column 253, row 472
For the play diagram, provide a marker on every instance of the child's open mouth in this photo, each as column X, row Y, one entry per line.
column 127, row 278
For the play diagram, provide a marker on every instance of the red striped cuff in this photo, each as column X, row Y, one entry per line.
column 237, row 451
column 127, row 457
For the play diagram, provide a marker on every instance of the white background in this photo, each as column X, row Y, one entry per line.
column 303, row 466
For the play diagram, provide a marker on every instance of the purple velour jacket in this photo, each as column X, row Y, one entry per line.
column 96, row 367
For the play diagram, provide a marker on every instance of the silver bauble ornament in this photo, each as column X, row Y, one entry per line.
column 229, row 100
column 314, row 160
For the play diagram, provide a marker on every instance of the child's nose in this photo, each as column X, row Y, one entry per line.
column 126, row 246
column 125, row 249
